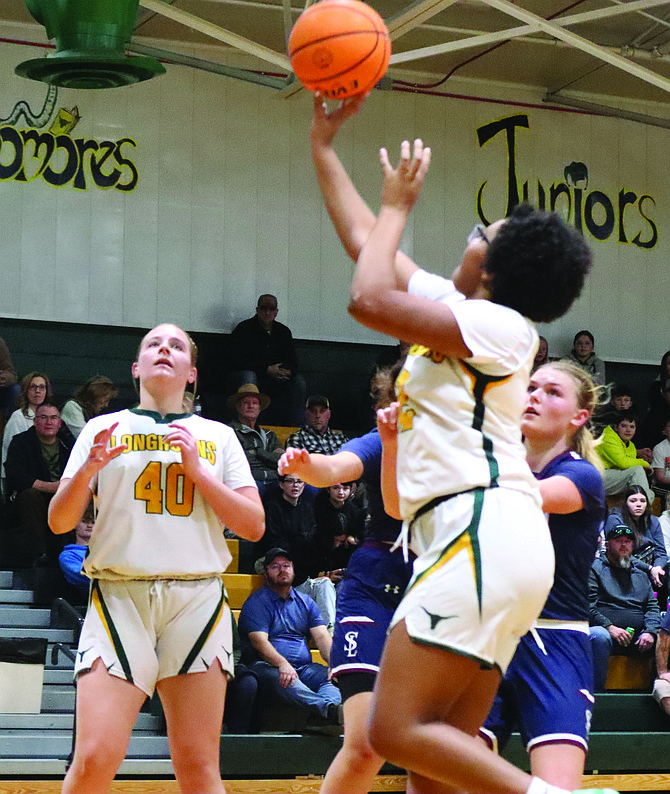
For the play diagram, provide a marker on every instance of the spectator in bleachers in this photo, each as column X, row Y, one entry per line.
column 35, row 389
column 261, row 446
column 290, row 525
column 583, row 355
column 542, row 355
column 662, row 682
column 35, row 462
column 91, row 400
column 9, row 389
column 661, row 461
column 649, row 552
column 651, row 428
column 72, row 557
column 655, row 394
column 340, row 525
column 263, row 352
column 620, row 400
column 624, row 612
column 278, row 621
column 624, row 464
column 315, row 435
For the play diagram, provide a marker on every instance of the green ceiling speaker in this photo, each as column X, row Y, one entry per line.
column 91, row 36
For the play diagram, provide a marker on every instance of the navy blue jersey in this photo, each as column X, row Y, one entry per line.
column 575, row 538
column 368, row 449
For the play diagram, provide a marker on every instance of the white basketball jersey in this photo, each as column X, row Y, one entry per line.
column 152, row 522
column 459, row 425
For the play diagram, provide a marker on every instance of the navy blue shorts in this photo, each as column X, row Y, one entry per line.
column 372, row 588
column 546, row 693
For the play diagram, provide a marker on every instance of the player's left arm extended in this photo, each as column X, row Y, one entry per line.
column 323, row 641
column 560, row 495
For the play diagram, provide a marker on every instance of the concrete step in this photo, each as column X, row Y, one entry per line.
column 24, row 616
column 57, row 744
column 57, row 698
column 59, row 676
column 11, row 723
column 6, row 579
column 41, row 767
column 16, row 596
column 52, row 635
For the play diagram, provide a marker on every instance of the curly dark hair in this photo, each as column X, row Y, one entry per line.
column 538, row 262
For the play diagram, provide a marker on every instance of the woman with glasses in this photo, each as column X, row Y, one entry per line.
column 467, row 496
column 166, row 483
column 35, row 389
column 547, row 692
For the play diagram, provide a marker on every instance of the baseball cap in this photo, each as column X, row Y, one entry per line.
column 272, row 555
column 620, row 531
column 317, row 399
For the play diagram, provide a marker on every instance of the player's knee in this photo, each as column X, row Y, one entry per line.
column 97, row 760
column 384, row 736
column 361, row 757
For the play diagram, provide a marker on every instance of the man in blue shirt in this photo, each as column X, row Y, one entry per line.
column 277, row 620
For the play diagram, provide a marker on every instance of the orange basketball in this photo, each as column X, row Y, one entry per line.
column 339, row 47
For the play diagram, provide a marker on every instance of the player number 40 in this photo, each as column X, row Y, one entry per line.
column 175, row 496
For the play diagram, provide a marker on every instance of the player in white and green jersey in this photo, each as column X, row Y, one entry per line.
column 165, row 486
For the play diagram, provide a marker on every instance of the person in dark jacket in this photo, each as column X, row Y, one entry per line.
column 624, row 614
column 35, row 462
column 263, row 352
column 261, row 446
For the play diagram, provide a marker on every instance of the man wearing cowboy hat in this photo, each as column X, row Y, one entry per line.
column 261, row 446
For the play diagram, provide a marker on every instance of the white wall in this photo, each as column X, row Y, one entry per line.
column 227, row 207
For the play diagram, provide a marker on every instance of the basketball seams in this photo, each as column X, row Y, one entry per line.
column 308, row 17
column 314, row 42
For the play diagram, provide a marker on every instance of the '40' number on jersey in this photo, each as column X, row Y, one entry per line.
column 175, row 495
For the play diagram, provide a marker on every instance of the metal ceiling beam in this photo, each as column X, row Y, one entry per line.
column 414, row 15
column 215, row 32
column 170, row 56
column 512, row 33
column 580, row 43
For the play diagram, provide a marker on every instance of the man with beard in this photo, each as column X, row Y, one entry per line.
column 625, row 617
column 277, row 621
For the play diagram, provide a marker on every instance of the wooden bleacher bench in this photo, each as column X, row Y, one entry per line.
column 234, row 549
column 282, row 433
column 240, row 586
column 630, row 673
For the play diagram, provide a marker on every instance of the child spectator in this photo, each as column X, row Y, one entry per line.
column 623, row 464
column 655, row 393
column 339, row 528
column 651, row 429
column 621, row 399
column 72, row 557
column 583, row 355
column 661, row 459
column 542, row 355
